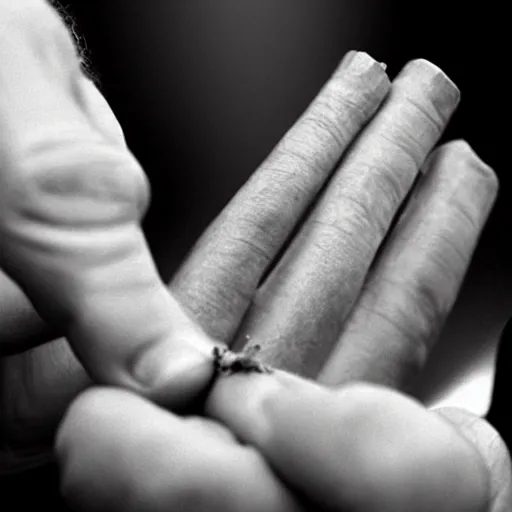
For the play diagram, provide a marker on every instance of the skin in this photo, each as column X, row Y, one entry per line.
column 373, row 448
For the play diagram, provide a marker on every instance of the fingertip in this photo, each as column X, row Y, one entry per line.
column 146, row 343
column 176, row 370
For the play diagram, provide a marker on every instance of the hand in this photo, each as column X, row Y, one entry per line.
column 39, row 384
column 71, row 200
column 361, row 447
column 260, row 275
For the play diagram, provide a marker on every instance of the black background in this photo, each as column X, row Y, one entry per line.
column 205, row 88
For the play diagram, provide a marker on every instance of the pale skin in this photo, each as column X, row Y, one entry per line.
column 77, row 265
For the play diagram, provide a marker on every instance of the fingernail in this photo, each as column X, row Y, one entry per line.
column 422, row 77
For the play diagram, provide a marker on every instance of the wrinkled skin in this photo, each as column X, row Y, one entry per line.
column 77, row 266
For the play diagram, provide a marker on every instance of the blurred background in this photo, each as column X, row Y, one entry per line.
column 205, row 88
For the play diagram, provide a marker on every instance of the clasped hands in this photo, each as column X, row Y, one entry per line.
column 313, row 259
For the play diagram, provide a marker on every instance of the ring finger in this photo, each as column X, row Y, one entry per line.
column 413, row 286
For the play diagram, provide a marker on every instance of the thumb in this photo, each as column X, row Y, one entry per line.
column 71, row 202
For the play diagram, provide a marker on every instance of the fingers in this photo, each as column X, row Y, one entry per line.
column 299, row 310
column 216, row 284
column 218, row 280
column 71, row 201
column 362, row 448
column 418, row 276
column 119, row 452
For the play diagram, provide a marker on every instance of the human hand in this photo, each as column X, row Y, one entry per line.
column 38, row 384
column 362, row 447
column 71, row 199
column 128, row 410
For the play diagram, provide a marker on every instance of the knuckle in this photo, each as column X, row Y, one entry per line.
column 294, row 158
column 338, row 107
column 326, row 122
column 87, row 174
column 419, row 315
column 393, row 170
column 358, row 210
column 404, row 146
column 257, row 236
column 354, row 216
column 335, row 110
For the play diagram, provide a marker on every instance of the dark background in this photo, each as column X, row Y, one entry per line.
column 205, row 88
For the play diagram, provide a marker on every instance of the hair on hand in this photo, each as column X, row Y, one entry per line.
column 80, row 42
